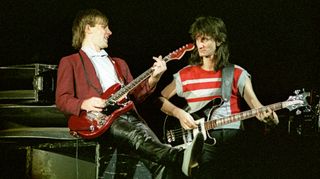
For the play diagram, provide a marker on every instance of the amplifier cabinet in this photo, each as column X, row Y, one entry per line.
column 29, row 83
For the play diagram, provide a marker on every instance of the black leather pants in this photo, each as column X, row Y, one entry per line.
column 224, row 159
column 131, row 132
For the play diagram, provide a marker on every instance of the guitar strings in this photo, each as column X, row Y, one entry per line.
column 233, row 118
column 177, row 132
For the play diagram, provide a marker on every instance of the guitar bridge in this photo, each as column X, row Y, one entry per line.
column 98, row 117
column 170, row 136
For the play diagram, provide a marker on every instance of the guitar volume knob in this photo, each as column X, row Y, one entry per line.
column 91, row 128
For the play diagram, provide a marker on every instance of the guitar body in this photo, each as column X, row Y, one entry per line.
column 179, row 137
column 93, row 124
column 183, row 136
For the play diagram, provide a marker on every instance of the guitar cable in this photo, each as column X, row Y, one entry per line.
column 77, row 158
column 164, row 129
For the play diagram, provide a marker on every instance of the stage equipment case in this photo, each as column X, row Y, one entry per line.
column 28, row 84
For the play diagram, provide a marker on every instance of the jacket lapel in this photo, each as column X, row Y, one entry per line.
column 92, row 75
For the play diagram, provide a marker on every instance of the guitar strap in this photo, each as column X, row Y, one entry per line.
column 226, row 87
column 227, row 79
column 87, row 76
column 118, row 71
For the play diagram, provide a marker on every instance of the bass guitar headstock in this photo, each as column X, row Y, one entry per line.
column 298, row 100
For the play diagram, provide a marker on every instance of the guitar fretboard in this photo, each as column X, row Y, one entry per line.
column 241, row 116
column 124, row 90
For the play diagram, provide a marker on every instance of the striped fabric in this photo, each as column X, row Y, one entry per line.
column 199, row 87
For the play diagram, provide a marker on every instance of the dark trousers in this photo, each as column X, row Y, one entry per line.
column 131, row 132
column 223, row 159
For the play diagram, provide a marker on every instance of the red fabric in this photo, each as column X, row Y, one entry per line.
column 197, row 74
column 73, row 88
column 235, row 98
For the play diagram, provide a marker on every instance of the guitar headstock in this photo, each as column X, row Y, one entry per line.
column 178, row 54
column 297, row 101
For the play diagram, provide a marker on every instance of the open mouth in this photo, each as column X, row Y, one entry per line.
column 106, row 39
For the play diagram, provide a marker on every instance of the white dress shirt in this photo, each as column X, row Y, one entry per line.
column 104, row 68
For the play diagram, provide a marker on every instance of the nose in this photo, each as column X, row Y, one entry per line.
column 199, row 44
column 109, row 32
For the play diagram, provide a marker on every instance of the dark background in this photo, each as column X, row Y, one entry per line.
column 276, row 41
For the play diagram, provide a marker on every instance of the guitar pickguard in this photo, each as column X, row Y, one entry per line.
column 185, row 137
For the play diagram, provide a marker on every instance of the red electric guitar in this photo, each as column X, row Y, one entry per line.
column 92, row 124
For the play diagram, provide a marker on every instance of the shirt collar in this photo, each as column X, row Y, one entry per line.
column 93, row 54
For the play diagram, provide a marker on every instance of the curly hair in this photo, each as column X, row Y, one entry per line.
column 215, row 28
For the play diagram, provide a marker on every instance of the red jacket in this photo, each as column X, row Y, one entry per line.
column 73, row 87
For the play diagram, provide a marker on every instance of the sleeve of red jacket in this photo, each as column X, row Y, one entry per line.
column 65, row 90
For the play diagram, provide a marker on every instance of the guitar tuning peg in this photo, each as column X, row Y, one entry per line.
column 298, row 112
column 297, row 92
column 307, row 109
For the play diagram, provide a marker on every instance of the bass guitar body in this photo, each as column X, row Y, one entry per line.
column 180, row 137
column 205, row 121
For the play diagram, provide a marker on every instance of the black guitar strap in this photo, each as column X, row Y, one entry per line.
column 87, row 76
column 227, row 79
column 226, row 87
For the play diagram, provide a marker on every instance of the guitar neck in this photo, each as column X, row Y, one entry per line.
column 242, row 116
column 124, row 90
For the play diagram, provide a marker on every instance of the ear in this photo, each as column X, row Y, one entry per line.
column 87, row 29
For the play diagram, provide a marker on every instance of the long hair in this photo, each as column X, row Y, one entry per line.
column 215, row 28
column 85, row 17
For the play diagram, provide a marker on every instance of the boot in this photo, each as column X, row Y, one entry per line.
column 191, row 154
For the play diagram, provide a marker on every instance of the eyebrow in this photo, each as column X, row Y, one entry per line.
column 203, row 36
column 103, row 24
